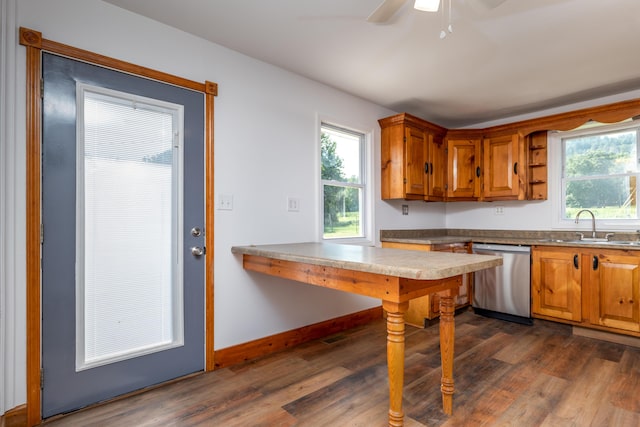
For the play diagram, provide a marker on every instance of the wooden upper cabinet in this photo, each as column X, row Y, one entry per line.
column 509, row 162
column 463, row 169
column 537, row 174
column 423, row 161
column 437, row 185
column 503, row 163
column 412, row 153
column 416, row 162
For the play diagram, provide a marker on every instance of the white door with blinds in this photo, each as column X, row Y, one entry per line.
column 123, row 283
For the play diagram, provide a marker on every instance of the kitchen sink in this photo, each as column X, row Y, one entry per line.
column 561, row 241
column 624, row 242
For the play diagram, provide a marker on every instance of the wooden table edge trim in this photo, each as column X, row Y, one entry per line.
column 390, row 288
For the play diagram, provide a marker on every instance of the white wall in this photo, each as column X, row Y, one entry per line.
column 12, row 260
column 517, row 215
column 266, row 132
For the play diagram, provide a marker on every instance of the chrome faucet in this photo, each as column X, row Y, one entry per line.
column 593, row 221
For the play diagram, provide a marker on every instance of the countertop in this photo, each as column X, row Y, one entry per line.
column 390, row 262
column 508, row 237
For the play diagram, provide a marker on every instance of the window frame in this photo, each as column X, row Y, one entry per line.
column 366, row 202
column 557, row 188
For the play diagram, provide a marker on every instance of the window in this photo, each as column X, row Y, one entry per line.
column 600, row 171
column 343, row 182
column 129, row 300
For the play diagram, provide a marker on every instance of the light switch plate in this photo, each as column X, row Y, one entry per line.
column 293, row 204
column 225, row 202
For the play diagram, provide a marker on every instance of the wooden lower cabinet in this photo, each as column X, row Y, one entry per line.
column 597, row 288
column 427, row 307
column 556, row 283
column 615, row 290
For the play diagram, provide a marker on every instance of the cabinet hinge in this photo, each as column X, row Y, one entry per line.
column 41, row 88
column 41, row 379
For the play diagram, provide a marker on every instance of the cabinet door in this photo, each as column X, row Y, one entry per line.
column 501, row 168
column 556, row 283
column 392, row 160
column 437, row 179
column 614, row 281
column 463, row 175
column 415, row 162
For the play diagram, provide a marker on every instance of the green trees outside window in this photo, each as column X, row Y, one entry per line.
column 600, row 174
column 342, row 183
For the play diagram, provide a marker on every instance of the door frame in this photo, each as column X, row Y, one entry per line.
column 35, row 45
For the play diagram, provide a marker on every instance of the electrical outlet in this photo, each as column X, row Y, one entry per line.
column 225, row 202
column 293, row 204
column 499, row 210
column 405, row 209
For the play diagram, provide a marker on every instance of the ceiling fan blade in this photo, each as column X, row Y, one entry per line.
column 385, row 11
column 490, row 4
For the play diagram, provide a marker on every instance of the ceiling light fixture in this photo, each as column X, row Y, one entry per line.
column 434, row 6
column 427, row 5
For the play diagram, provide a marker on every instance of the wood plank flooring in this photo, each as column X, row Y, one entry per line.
column 505, row 375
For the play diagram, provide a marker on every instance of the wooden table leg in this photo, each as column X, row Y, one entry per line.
column 395, row 359
column 447, row 337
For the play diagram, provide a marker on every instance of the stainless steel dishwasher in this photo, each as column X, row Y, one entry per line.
column 504, row 292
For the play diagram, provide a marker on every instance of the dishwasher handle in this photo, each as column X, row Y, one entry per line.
column 492, row 247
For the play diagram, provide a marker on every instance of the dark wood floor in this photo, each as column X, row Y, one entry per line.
column 506, row 375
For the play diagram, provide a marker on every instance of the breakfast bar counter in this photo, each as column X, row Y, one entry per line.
column 394, row 276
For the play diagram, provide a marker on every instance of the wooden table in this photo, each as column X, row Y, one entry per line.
column 395, row 276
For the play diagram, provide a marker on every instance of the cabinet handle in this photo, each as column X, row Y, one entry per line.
column 575, row 261
column 426, row 168
column 515, row 168
column 478, row 171
column 431, row 166
column 595, row 262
